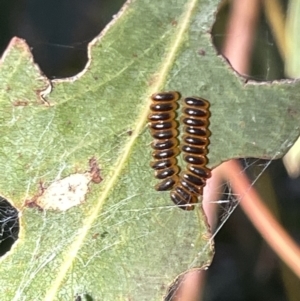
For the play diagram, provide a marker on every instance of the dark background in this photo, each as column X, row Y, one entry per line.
column 58, row 31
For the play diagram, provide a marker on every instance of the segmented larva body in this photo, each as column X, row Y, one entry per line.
column 163, row 128
column 186, row 188
column 194, row 148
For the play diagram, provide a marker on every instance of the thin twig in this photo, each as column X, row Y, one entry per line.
column 261, row 217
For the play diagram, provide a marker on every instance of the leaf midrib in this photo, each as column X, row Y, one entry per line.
column 175, row 44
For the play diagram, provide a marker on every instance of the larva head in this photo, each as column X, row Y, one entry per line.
column 197, row 102
column 166, row 96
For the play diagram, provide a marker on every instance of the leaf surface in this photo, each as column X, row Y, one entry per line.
column 125, row 241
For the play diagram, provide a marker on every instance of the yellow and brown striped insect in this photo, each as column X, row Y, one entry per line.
column 194, row 148
column 164, row 129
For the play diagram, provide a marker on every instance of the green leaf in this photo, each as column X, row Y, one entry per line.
column 125, row 241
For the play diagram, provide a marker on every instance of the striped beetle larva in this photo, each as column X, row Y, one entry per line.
column 163, row 128
column 194, row 148
column 186, row 187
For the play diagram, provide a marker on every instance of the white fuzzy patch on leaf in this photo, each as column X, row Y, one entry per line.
column 65, row 193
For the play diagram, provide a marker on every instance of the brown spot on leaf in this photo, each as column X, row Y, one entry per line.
column 174, row 23
column 32, row 202
column 95, row 171
column 293, row 112
column 20, row 103
column 95, row 235
column 202, row 52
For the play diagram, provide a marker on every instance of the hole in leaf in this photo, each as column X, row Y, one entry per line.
column 264, row 60
column 9, row 226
